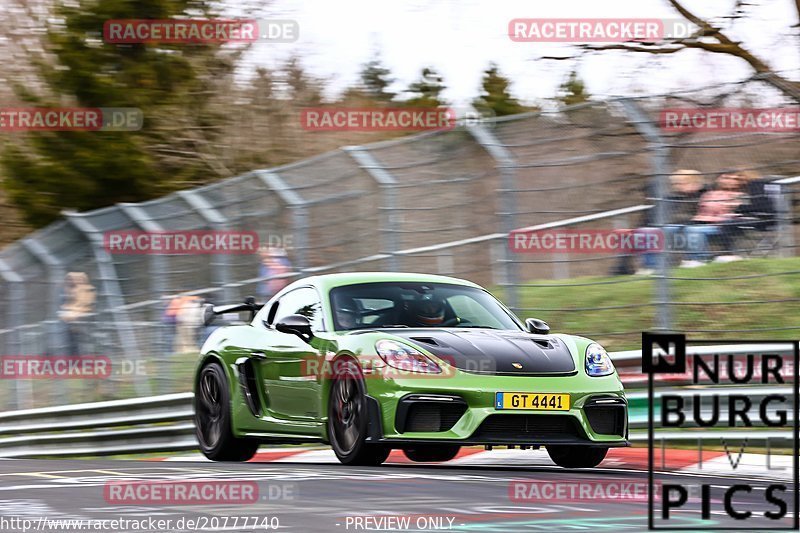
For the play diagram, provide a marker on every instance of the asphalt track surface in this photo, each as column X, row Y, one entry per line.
column 327, row 497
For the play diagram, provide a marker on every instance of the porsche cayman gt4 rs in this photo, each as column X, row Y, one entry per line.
column 369, row 362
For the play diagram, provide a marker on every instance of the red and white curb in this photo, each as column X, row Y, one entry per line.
column 713, row 463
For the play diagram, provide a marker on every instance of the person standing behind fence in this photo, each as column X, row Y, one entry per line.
column 757, row 212
column 686, row 187
column 188, row 319
column 716, row 211
column 274, row 262
column 79, row 300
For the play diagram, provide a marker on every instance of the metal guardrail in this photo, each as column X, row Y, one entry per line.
column 164, row 423
column 136, row 425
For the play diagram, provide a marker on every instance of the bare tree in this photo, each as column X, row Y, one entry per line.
column 710, row 37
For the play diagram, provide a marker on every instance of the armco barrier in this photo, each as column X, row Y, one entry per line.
column 137, row 425
column 164, row 423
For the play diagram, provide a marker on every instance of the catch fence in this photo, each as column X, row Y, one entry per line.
column 440, row 202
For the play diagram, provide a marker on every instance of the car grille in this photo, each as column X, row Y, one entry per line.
column 433, row 416
column 529, row 428
column 607, row 419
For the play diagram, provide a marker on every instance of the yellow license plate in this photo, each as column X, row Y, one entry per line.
column 530, row 400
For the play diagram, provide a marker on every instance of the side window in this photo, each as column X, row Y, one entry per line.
column 303, row 301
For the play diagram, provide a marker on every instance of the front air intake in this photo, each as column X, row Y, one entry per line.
column 428, row 413
column 607, row 416
column 529, row 428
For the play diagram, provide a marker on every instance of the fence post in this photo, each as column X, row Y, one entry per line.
column 497, row 250
column 55, row 279
column 386, row 182
column 297, row 208
column 506, row 167
column 55, row 341
column 660, row 165
column 157, row 274
column 14, row 307
column 786, row 232
column 217, row 221
column 444, row 263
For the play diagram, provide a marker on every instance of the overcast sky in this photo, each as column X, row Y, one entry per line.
column 460, row 37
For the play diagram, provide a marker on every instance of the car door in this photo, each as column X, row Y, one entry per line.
column 288, row 366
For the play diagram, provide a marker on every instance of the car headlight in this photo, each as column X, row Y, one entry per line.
column 598, row 363
column 404, row 357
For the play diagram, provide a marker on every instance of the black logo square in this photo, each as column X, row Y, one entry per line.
column 663, row 341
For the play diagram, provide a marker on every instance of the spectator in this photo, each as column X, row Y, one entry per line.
column 188, row 319
column 274, row 262
column 716, row 211
column 170, row 321
column 757, row 205
column 686, row 187
column 757, row 211
column 79, row 299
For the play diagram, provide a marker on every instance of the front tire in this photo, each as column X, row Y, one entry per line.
column 212, row 419
column 347, row 418
column 577, row 456
column 437, row 454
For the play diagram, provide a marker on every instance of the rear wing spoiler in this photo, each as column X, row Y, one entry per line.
column 211, row 312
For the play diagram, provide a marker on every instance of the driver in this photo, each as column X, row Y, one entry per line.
column 428, row 311
column 346, row 310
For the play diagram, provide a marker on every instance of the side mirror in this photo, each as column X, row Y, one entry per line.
column 537, row 326
column 296, row 325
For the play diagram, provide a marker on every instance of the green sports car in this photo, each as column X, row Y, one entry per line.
column 369, row 362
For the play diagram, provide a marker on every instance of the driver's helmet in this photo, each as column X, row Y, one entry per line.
column 428, row 311
column 346, row 311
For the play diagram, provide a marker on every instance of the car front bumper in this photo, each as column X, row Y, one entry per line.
column 461, row 410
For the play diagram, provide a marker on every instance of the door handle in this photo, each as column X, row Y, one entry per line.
column 259, row 355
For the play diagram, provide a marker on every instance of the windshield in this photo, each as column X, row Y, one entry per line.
column 416, row 305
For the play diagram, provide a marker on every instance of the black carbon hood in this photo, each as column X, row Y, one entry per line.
column 487, row 351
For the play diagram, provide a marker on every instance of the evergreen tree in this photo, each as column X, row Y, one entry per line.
column 172, row 85
column 376, row 79
column 495, row 98
column 573, row 91
column 426, row 92
column 304, row 90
